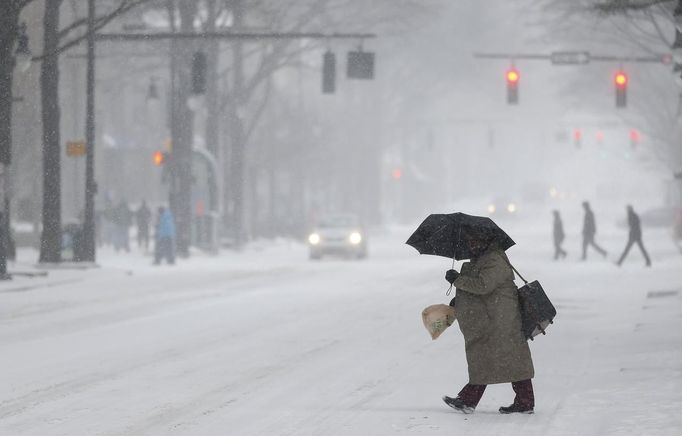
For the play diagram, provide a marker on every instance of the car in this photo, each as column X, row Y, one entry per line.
column 502, row 206
column 340, row 234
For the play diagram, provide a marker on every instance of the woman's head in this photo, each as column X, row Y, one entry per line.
column 475, row 246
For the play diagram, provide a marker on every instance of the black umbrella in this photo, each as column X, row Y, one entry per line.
column 446, row 235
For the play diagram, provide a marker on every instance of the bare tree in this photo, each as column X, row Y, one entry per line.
column 247, row 92
column 56, row 41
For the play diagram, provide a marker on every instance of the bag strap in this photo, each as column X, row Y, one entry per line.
column 505, row 259
column 517, row 273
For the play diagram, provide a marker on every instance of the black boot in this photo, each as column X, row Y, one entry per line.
column 516, row 408
column 524, row 402
column 458, row 404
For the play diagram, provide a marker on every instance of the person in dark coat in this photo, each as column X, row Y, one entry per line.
column 487, row 306
column 142, row 216
column 635, row 236
column 589, row 230
column 559, row 236
column 165, row 237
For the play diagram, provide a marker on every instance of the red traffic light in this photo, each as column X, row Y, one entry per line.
column 621, row 79
column 159, row 158
column 512, row 86
column 397, row 173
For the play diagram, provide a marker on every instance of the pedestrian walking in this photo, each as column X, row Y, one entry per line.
column 589, row 230
column 142, row 217
column 164, row 247
column 487, row 309
column 559, row 236
column 634, row 236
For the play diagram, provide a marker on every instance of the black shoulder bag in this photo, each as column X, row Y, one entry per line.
column 537, row 312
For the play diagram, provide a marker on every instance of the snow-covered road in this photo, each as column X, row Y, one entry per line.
column 268, row 343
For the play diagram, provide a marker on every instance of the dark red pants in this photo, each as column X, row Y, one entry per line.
column 471, row 394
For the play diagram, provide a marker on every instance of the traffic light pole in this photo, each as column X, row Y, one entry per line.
column 573, row 58
column 88, row 235
column 577, row 57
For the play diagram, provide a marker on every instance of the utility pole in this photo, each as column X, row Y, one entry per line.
column 88, row 235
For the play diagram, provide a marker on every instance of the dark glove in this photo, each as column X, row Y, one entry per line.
column 451, row 275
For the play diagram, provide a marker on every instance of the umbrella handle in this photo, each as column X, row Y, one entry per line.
column 447, row 294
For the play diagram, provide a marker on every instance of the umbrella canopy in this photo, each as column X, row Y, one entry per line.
column 450, row 235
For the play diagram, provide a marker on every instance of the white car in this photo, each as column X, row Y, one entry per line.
column 338, row 234
column 502, row 207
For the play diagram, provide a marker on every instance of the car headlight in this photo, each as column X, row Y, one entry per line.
column 314, row 239
column 355, row 238
column 511, row 208
column 491, row 208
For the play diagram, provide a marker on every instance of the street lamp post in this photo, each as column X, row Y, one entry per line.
column 88, row 240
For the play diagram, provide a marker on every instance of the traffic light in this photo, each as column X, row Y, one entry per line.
column 159, row 158
column 577, row 138
column 360, row 65
column 600, row 137
column 397, row 173
column 512, row 86
column 635, row 137
column 621, row 83
column 199, row 66
column 328, row 73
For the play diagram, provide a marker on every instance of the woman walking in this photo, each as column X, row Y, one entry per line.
column 486, row 303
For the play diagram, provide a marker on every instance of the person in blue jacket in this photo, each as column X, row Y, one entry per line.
column 165, row 237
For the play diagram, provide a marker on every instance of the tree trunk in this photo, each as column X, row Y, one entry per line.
column 50, row 243
column 236, row 114
column 9, row 18
column 212, row 100
column 182, row 132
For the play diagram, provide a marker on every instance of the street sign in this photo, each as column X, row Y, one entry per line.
column 75, row 148
column 570, row 58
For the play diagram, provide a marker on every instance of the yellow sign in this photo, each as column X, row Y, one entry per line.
column 75, row 148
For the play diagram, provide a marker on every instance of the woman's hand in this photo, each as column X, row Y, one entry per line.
column 451, row 275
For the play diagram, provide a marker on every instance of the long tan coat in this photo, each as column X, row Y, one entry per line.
column 487, row 310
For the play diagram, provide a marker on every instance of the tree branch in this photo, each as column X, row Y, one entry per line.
column 101, row 21
column 259, row 110
column 623, row 6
